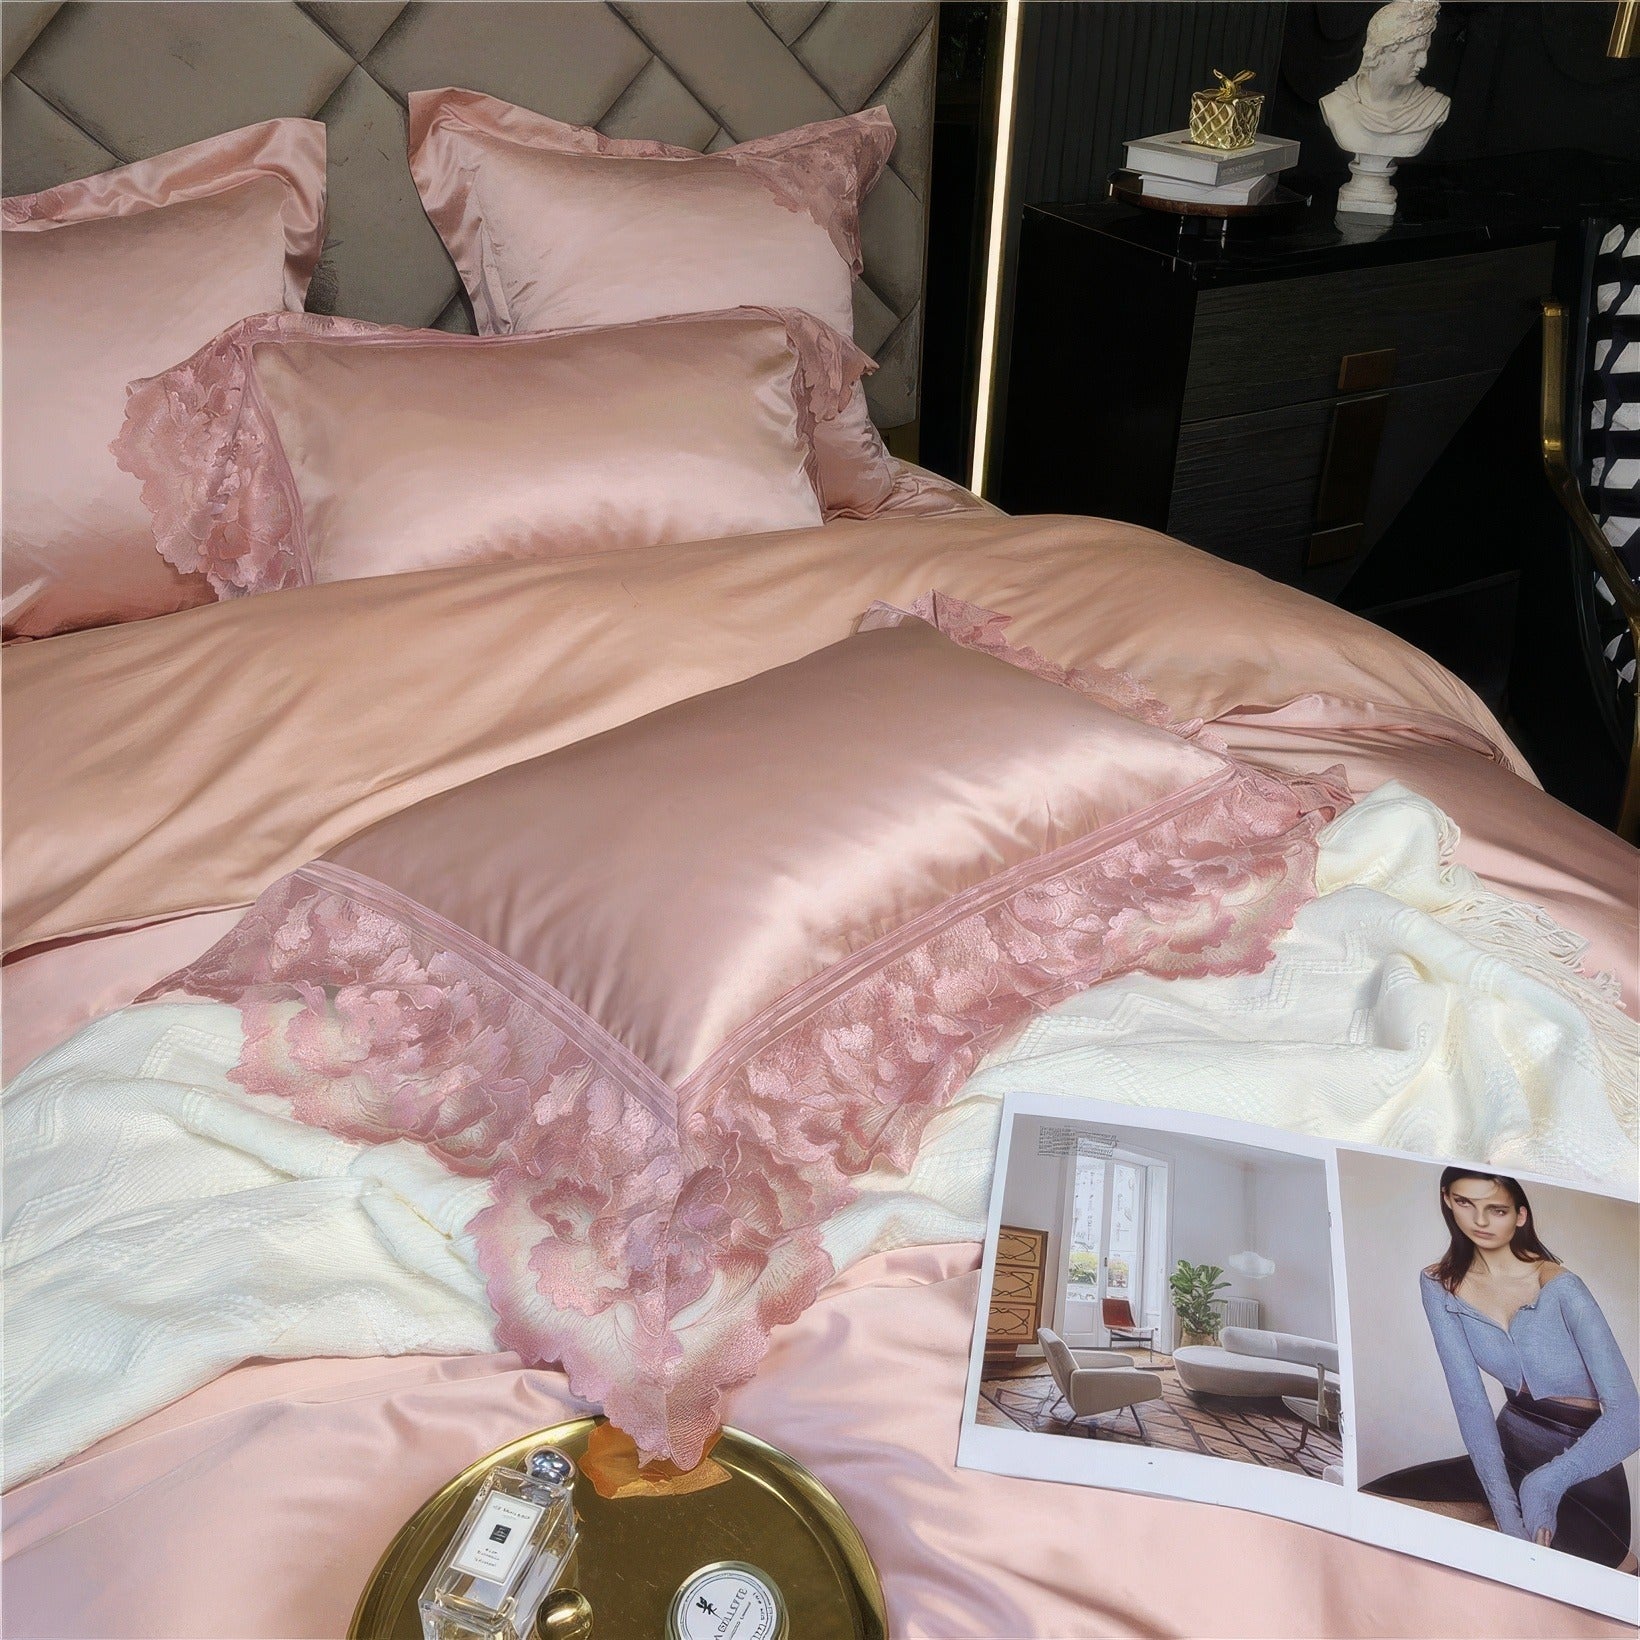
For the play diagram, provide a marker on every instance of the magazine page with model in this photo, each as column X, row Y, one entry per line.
column 1433, row 1357
column 1501, row 1304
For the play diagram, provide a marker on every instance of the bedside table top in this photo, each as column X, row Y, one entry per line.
column 1446, row 210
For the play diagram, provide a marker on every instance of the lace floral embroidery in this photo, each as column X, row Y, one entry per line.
column 651, row 1246
column 812, row 170
column 214, row 475
column 829, row 370
column 983, row 629
column 823, row 170
column 830, row 365
column 45, row 206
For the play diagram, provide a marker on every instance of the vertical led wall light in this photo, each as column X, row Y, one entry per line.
column 996, row 240
column 1625, row 37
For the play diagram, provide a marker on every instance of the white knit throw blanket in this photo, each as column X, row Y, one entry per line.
column 161, row 1225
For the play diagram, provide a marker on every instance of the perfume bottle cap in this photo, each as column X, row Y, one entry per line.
column 566, row 1614
column 547, row 1463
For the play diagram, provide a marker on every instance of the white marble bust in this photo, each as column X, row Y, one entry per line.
column 1383, row 113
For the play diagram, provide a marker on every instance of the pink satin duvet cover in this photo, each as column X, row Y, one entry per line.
column 179, row 795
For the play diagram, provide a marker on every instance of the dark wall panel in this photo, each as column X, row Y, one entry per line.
column 1092, row 76
column 1521, row 77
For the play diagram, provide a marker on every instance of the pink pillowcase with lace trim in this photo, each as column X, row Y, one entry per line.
column 552, row 225
column 675, row 988
column 301, row 449
column 108, row 279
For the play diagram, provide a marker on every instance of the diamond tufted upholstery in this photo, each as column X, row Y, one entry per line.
column 96, row 84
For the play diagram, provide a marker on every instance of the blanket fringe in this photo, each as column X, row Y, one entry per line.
column 1530, row 940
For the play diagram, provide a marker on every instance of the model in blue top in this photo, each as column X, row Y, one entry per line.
column 1500, row 1303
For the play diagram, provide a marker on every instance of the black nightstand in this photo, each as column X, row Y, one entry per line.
column 1284, row 395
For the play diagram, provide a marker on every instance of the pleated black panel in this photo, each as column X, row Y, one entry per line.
column 1094, row 76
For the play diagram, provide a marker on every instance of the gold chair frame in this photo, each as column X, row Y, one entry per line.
column 1563, row 481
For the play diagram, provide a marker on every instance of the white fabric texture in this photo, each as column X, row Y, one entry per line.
column 1407, row 1007
column 162, row 1225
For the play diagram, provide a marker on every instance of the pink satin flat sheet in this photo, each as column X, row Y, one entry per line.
column 48, row 994
column 304, row 1470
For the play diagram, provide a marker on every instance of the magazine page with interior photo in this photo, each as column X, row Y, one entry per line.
column 1422, row 1355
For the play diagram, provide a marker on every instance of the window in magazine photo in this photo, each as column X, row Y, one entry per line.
column 1428, row 1354
column 1186, row 1300
column 1495, row 1350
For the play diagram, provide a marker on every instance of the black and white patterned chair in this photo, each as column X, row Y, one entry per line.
column 1591, row 452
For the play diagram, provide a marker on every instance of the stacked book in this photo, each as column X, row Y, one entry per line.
column 1173, row 167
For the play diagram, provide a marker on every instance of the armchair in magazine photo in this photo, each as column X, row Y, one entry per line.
column 1095, row 1381
column 1122, row 1326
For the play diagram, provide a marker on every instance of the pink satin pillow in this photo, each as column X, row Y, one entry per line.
column 109, row 279
column 299, row 449
column 676, row 987
column 553, row 225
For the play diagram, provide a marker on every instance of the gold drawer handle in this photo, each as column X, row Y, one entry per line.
column 1366, row 372
column 1346, row 478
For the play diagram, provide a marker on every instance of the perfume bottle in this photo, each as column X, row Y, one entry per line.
column 508, row 1554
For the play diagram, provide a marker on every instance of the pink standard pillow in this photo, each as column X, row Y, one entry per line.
column 296, row 449
column 553, row 225
column 112, row 278
column 675, row 988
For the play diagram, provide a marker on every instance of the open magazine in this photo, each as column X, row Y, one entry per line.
column 1437, row 1359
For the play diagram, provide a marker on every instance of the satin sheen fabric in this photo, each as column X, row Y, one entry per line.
column 306, row 1469
column 46, row 996
column 553, row 225
column 148, row 775
column 1519, row 840
column 422, row 451
column 675, row 876
column 114, row 278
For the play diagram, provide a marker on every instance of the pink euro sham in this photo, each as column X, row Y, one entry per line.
column 113, row 278
column 674, row 988
column 552, row 225
column 297, row 450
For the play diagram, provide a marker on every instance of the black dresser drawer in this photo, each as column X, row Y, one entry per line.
column 1186, row 375
column 1245, row 487
column 1278, row 342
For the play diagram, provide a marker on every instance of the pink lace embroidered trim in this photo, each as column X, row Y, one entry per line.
column 41, row 207
column 829, row 368
column 215, row 480
column 983, row 629
column 651, row 1250
column 200, row 441
column 830, row 365
column 813, row 171
column 824, row 170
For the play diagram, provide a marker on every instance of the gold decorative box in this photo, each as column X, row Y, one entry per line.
column 1226, row 118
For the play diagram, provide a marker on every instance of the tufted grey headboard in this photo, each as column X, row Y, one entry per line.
column 96, row 83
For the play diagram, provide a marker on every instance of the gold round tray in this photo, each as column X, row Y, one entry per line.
column 635, row 1551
